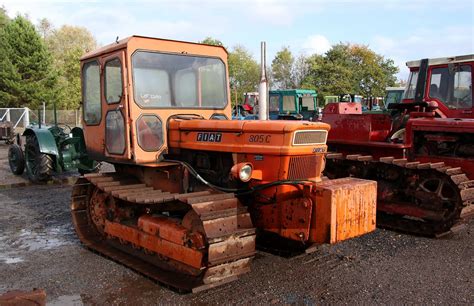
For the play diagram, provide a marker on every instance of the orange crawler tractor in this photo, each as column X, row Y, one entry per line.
column 190, row 187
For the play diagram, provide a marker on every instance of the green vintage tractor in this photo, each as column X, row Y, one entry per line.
column 49, row 150
column 293, row 104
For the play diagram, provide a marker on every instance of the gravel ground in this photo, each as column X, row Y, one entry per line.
column 39, row 249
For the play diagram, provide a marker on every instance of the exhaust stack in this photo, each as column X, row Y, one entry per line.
column 263, row 87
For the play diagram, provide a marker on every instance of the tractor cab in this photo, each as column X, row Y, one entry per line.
column 445, row 83
column 250, row 102
column 248, row 109
column 293, row 104
column 393, row 95
column 351, row 98
column 132, row 88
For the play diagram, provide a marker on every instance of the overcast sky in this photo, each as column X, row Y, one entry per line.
column 401, row 30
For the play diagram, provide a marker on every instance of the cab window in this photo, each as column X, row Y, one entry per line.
column 212, row 84
column 308, row 103
column 152, row 87
column 178, row 81
column 462, row 91
column 452, row 88
column 274, row 103
column 187, row 95
column 113, row 81
column 393, row 97
column 289, row 104
column 91, row 93
column 411, row 87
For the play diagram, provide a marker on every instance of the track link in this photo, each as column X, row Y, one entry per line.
column 225, row 225
column 419, row 198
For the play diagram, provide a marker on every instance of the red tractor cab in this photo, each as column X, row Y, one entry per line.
column 421, row 151
column 250, row 102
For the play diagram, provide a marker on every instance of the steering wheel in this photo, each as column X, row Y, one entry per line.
column 66, row 129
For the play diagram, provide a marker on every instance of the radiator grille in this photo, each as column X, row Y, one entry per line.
column 310, row 137
column 302, row 167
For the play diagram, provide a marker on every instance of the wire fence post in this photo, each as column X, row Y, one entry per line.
column 26, row 117
column 44, row 113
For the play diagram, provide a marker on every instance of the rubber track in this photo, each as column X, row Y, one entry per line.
column 140, row 262
column 465, row 190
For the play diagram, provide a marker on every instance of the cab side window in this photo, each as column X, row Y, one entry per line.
column 91, row 93
column 453, row 88
column 289, row 104
column 113, row 81
column 462, row 91
column 274, row 103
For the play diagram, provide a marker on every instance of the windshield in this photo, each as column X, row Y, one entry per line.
column 307, row 103
column 394, row 96
column 289, row 104
column 411, row 86
column 251, row 100
column 178, row 81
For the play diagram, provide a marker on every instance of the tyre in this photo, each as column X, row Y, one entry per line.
column 39, row 166
column 16, row 159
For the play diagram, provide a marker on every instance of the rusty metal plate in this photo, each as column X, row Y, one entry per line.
column 213, row 206
column 220, row 226
column 232, row 248
column 296, row 218
column 221, row 272
column 166, row 248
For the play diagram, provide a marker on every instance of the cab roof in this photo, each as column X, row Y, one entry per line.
column 443, row 60
column 294, row 92
column 122, row 43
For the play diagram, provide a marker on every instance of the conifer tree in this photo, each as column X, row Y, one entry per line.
column 26, row 75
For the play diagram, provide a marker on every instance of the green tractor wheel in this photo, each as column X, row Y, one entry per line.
column 16, row 159
column 39, row 166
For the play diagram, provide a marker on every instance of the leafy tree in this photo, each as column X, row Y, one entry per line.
column 282, row 69
column 26, row 74
column 288, row 71
column 211, row 41
column 3, row 17
column 299, row 71
column 67, row 44
column 44, row 28
column 244, row 73
column 372, row 72
column 347, row 68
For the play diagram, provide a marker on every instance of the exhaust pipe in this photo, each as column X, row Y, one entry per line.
column 263, row 87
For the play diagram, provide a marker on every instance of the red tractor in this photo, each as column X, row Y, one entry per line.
column 421, row 151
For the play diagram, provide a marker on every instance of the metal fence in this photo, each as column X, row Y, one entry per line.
column 22, row 117
column 69, row 117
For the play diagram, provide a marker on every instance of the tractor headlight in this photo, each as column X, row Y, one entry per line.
column 245, row 173
column 242, row 171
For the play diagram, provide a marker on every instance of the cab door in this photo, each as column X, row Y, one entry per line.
column 451, row 87
column 115, row 105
